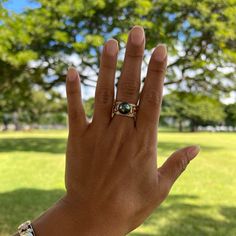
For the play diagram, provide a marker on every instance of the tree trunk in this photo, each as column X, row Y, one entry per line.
column 180, row 126
column 193, row 127
column 5, row 125
column 16, row 120
column 5, row 122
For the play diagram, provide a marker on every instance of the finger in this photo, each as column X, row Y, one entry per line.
column 129, row 82
column 151, row 95
column 104, row 95
column 174, row 166
column 76, row 114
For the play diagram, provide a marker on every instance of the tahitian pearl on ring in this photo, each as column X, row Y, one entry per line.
column 124, row 108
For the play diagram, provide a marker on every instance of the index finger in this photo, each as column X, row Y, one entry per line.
column 76, row 113
column 151, row 95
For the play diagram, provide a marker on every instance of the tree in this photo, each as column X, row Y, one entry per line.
column 230, row 111
column 198, row 109
column 194, row 31
column 42, row 107
column 37, row 45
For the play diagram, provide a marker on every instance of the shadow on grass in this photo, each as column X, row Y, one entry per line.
column 182, row 218
column 23, row 204
column 58, row 145
column 49, row 145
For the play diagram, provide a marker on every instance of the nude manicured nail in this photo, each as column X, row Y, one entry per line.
column 72, row 74
column 193, row 151
column 137, row 35
column 160, row 52
column 111, row 47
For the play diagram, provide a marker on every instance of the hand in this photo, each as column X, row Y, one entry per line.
column 112, row 180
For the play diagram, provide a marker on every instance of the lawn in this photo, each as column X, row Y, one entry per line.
column 202, row 203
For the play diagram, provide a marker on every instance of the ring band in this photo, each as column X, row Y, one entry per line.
column 124, row 109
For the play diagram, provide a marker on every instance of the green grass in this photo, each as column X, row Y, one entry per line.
column 202, row 203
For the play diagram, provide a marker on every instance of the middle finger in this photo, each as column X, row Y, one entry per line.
column 129, row 82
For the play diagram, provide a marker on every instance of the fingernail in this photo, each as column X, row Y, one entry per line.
column 111, row 47
column 160, row 52
column 193, row 151
column 72, row 74
column 137, row 35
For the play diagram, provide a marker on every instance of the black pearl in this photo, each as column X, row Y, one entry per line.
column 124, row 108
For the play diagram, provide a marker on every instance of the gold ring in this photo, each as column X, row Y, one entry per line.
column 124, row 109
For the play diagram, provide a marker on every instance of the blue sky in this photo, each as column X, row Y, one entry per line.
column 19, row 5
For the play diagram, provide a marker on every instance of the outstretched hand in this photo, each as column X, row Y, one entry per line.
column 112, row 179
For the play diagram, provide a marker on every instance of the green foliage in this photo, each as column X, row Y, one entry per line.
column 198, row 109
column 230, row 111
column 53, row 118
column 89, row 107
column 43, row 108
column 36, row 45
column 193, row 31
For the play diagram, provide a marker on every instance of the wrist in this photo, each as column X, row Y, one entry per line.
column 69, row 218
column 89, row 220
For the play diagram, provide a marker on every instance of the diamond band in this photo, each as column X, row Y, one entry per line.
column 26, row 229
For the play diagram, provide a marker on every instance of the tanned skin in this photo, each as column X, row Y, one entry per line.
column 113, row 182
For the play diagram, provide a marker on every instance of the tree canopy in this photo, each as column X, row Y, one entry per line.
column 230, row 111
column 197, row 109
column 38, row 44
column 203, row 52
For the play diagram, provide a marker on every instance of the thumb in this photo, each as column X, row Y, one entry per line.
column 174, row 166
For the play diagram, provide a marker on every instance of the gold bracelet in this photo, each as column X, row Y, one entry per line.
column 26, row 229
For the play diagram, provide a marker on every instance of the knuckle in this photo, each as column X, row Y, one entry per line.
column 129, row 88
column 152, row 97
column 159, row 70
column 108, row 64
column 158, row 67
column 74, row 114
column 72, row 90
column 104, row 96
column 136, row 53
column 183, row 162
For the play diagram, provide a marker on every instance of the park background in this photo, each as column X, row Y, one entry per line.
column 40, row 39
